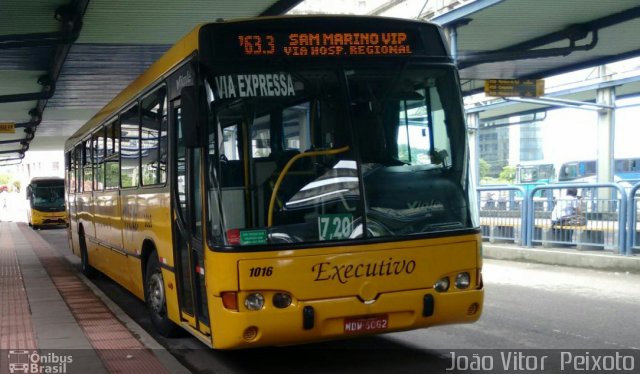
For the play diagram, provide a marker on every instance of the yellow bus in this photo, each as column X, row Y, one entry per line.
column 46, row 202
column 285, row 180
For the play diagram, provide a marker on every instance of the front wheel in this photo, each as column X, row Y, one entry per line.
column 156, row 299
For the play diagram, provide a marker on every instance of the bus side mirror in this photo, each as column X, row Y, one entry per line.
column 193, row 117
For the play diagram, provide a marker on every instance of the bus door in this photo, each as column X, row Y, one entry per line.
column 187, row 200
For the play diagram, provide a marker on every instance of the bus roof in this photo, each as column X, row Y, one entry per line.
column 53, row 180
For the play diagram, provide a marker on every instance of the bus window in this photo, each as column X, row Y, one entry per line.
column 77, row 170
column 112, row 156
column 87, row 177
column 295, row 125
column 261, row 137
column 400, row 128
column 153, row 141
column 229, row 148
column 130, row 148
column 98, row 159
column 71, row 177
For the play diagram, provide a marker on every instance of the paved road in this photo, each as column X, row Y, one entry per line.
column 527, row 307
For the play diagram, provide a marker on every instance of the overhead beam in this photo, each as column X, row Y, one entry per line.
column 578, row 31
column 36, row 39
column 563, row 103
column 70, row 17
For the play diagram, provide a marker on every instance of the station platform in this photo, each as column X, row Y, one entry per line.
column 54, row 320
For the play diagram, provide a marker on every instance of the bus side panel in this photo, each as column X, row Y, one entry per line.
column 108, row 234
column 72, row 230
column 84, row 214
column 145, row 217
column 132, row 238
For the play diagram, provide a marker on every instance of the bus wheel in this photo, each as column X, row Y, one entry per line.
column 156, row 299
column 88, row 270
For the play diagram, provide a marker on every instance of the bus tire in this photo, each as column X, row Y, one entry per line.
column 88, row 270
column 154, row 296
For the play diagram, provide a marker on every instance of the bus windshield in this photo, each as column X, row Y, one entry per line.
column 312, row 155
column 48, row 197
column 535, row 173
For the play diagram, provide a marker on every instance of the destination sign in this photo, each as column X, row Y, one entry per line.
column 326, row 44
column 514, row 87
column 7, row 128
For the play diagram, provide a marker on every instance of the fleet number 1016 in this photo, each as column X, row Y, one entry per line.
column 261, row 272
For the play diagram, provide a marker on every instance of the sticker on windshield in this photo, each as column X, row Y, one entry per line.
column 254, row 85
column 335, row 226
column 253, row 237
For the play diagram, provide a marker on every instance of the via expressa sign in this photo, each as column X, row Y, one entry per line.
column 254, row 85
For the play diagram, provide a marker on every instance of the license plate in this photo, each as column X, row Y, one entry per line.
column 366, row 324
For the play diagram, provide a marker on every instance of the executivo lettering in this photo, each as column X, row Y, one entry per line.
column 327, row 271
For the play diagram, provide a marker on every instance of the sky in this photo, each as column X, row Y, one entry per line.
column 571, row 134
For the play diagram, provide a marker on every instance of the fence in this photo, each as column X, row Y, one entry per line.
column 633, row 211
column 604, row 216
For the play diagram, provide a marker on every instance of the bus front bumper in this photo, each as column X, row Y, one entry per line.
column 39, row 218
column 318, row 320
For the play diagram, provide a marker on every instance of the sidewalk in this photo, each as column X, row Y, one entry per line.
column 48, row 314
column 597, row 260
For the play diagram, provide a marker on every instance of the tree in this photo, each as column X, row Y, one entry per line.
column 508, row 173
column 5, row 178
column 484, row 168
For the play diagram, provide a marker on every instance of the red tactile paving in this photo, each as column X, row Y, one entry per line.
column 16, row 327
column 118, row 348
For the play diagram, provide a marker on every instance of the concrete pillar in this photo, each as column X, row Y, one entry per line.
column 606, row 128
column 453, row 43
column 473, row 121
column 605, row 131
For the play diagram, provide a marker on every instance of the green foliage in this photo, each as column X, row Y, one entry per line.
column 484, row 169
column 508, row 173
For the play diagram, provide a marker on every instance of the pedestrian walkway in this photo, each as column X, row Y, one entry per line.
column 51, row 318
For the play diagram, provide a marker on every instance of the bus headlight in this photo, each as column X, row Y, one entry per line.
column 281, row 300
column 442, row 284
column 254, row 301
column 463, row 280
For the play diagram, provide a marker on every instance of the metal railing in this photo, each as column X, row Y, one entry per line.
column 633, row 211
column 502, row 213
column 607, row 218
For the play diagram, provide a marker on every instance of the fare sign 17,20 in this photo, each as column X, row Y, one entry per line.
column 326, row 44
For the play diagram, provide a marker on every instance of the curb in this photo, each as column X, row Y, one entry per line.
column 563, row 257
